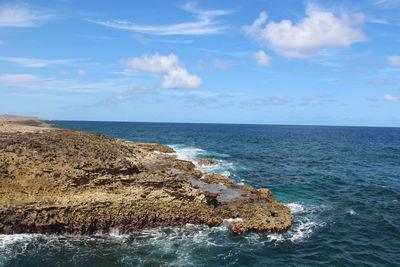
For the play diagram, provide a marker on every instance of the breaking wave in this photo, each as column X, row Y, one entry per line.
column 220, row 166
column 176, row 246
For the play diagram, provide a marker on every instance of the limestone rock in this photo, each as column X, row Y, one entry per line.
column 205, row 161
column 65, row 181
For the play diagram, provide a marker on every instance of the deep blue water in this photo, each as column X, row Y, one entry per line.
column 342, row 184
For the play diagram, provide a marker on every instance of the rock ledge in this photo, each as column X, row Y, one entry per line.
column 65, row 181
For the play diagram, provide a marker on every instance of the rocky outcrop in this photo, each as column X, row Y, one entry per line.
column 65, row 181
column 205, row 161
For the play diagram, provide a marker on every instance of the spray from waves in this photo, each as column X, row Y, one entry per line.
column 7, row 242
column 179, row 246
column 14, row 245
column 220, row 166
column 184, row 243
column 172, row 246
column 296, row 208
column 306, row 221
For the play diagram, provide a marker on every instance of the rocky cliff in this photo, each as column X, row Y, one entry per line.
column 65, row 181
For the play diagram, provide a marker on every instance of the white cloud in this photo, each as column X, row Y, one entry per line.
column 133, row 93
column 72, row 85
column 255, row 29
column 174, row 76
column 392, row 98
column 387, row 3
column 206, row 98
column 116, row 99
column 378, row 21
column 127, row 72
column 180, row 78
column 261, row 58
column 205, row 23
column 204, row 94
column 34, row 95
column 19, row 16
column 17, row 78
column 394, row 61
column 272, row 100
column 79, row 73
column 36, row 62
column 318, row 31
column 311, row 102
column 34, row 82
column 378, row 82
column 279, row 99
column 155, row 63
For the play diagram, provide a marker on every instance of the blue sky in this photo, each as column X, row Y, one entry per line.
column 261, row 61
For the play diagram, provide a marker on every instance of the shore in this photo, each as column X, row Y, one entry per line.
column 65, row 181
column 22, row 124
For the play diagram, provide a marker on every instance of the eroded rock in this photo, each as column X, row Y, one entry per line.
column 66, row 181
column 205, row 161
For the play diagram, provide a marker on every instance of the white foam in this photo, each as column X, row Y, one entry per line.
column 351, row 212
column 276, row 238
column 179, row 241
column 116, row 234
column 187, row 153
column 296, row 208
column 300, row 230
column 305, row 222
column 303, row 230
column 8, row 240
column 220, row 166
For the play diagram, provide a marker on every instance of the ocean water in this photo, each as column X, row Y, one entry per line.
column 341, row 183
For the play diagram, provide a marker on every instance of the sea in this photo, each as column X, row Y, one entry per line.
column 342, row 185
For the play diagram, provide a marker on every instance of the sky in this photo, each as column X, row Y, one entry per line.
column 331, row 62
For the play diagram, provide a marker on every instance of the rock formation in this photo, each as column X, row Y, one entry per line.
column 66, row 181
column 205, row 161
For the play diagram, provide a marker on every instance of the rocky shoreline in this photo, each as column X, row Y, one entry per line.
column 64, row 181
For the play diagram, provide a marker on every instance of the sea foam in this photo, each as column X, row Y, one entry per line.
column 305, row 216
column 220, row 166
column 305, row 222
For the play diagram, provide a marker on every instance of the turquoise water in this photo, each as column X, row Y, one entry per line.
column 341, row 183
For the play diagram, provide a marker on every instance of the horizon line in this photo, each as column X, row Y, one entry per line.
column 227, row 123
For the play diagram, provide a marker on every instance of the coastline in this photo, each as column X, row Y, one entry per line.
column 65, row 181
